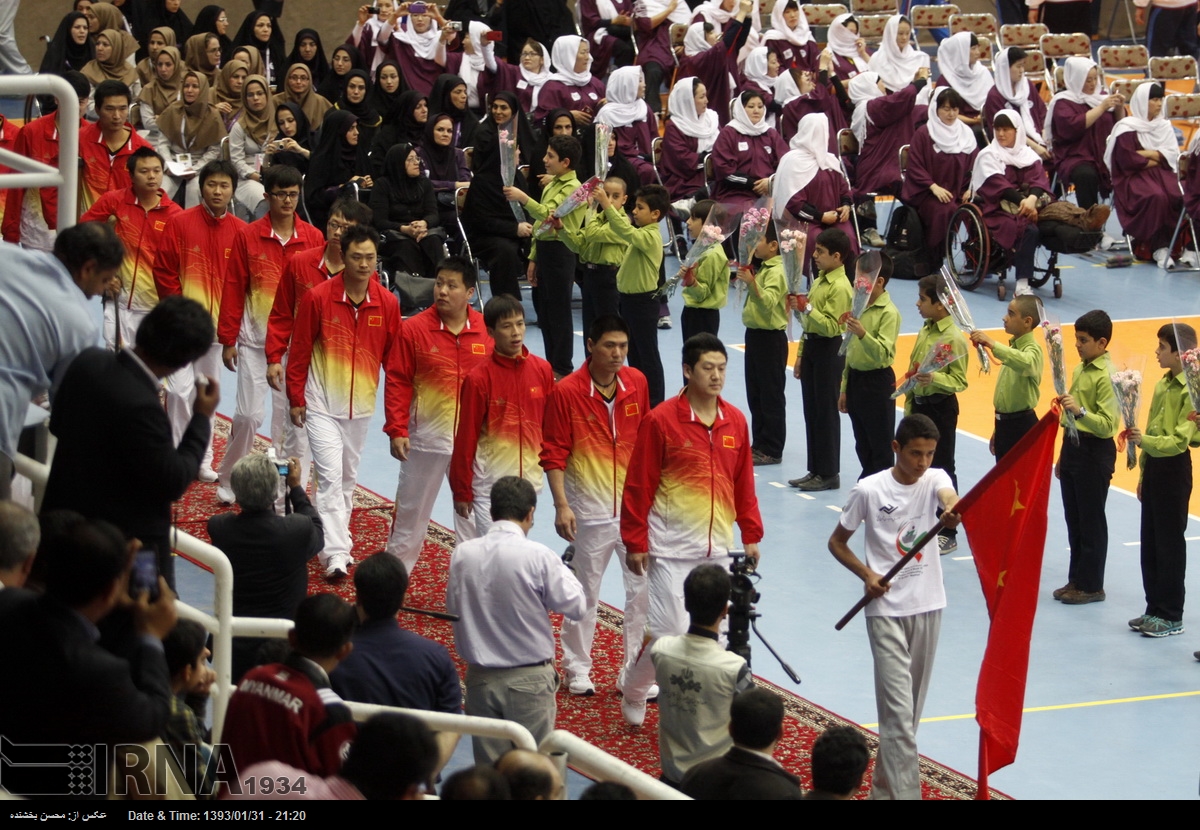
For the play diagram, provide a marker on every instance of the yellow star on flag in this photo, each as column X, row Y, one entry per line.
column 1000, row 579
column 1016, row 498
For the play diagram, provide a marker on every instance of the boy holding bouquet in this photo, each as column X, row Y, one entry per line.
column 765, row 317
column 706, row 284
column 600, row 253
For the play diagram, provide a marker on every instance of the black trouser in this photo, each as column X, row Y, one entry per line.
column 1011, row 428
column 598, row 290
column 502, row 259
column 640, row 312
column 872, row 417
column 1084, row 475
column 942, row 409
column 653, row 72
column 1026, row 253
column 766, row 379
column 556, row 280
column 417, row 258
column 1166, row 489
column 699, row 321
column 1086, row 179
column 820, row 386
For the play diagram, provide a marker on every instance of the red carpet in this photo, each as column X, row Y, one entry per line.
column 597, row 719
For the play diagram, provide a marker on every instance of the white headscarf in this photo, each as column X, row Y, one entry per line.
column 1015, row 98
column 755, row 68
column 785, row 88
column 809, row 153
column 741, row 122
column 844, row 43
column 566, row 50
column 895, row 67
column 953, row 138
column 624, row 105
column 695, row 42
column 425, row 45
column 798, row 36
column 535, row 79
column 682, row 14
column 1075, row 72
column 682, row 105
column 714, row 14
column 973, row 83
column 1157, row 134
column 993, row 159
column 863, row 87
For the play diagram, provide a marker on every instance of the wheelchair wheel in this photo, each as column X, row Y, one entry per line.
column 968, row 247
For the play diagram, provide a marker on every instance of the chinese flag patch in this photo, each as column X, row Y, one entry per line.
column 728, row 442
column 375, row 320
column 478, row 348
column 631, row 409
column 228, row 251
column 158, row 226
column 535, row 391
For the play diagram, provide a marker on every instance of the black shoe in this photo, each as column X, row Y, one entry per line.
column 761, row 459
column 799, row 482
column 817, row 483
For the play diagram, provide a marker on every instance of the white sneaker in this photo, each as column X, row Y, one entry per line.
column 207, row 475
column 633, row 712
column 1107, row 243
column 225, row 495
column 1022, row 288
column 653, row 693
column 1162, row 257
column 581, row 686
column 1188, row 258
column 336, row 571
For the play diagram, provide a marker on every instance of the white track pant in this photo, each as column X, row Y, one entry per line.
column 181, row 394
column 337, row 446
column 129, row 318
column 416, row 493
column 595, row 544
column 248, row 414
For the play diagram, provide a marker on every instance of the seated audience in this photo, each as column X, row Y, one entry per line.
column 839, row 762
column 531, row 776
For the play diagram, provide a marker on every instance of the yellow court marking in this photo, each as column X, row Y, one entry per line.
column 1083, row 705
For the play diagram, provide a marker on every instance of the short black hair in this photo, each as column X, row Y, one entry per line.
column 771, row 233
column 618, row 180
column 567, row 147
column 885, row 268
column 912, row 427
column 1179, row 336
column 380, row 581
column 219, row 167
column 352, row 210
column 756, row 718
column 324, row 623
column 176, row 332
column 949, row 95
column 1016, row 53
column 839, row 760
column 477, row 783
column 702, row 209
column 750, row 94
column 359, row 233
column 608, row 791
column 184, row 645
column 512, row 499
column 706, row 593
column 281, row 175
column 79, row 558
column 656, row 198
column 391, row 754
column 111, row 89
column 1028, row 306
column 87, row 242
column 699, row 344
column 1156, row 90
column 1096, row 324
column 928, row 286
column 836, row 241
column 606, row 323
column 139, row 154
column 461, row 266
column 499, row 308
column 79, row 83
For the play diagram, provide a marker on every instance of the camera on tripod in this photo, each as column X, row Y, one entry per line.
column 743, row 573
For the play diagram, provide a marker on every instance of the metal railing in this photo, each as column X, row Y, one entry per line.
column 34, row 174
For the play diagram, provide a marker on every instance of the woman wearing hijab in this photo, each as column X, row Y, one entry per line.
column 228, row 94
column 307, row 49
column 898, row 61
column 202, row 53
column 690, row 135
column 355, row 99
column 387, row 92
column 814, row 96
column 608, row 26
column 1143, row 155
column 344, row 60
column 406, row 127
column 746, row 154
column 163, row 90
column 882, row 123
column 405, row 209
column 757, row 73
column 249, row 56
column 811, row 187
column 261, row 30
column 712, row 57
column 111, row 64
column 415, row 42
column 214, row 20
column 249, row 139
column 849, row 51
column 938, row 177
column 1010, row 185
column 299, row 90
column 191, row 126
column 157, row 14
column 103, row 16
column 631, row 120
column 71, row 48
column 449, row 95
column 958, row 62
column 160, row 37
column 497, row 237
column 571, row 85
column 790, row 38
column 1078, row 123
column 525, row 78
column 367, row 34
column 291, row 138
column 1014, row 92
column 335, row 163
column 443, row 164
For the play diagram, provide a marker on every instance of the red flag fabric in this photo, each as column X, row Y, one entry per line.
column 1005, row 518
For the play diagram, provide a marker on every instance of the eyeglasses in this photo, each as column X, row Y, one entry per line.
column 285, row 196
column 337, row 227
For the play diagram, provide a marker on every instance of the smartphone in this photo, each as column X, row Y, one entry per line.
column 145, row 575
column 417, row 8
column 493, row 37
column 372, row 10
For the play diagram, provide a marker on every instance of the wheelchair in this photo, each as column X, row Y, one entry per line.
column 970, row 255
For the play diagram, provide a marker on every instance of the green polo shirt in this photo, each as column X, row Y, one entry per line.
column 876, row 350
column 596, row 243
column 1019, row 385
column 766, row 299
column 554, row 194
column 1168, row 431
column 948, row 381
column 712, row 281
column 638, row 273
column 829, row 298
column 1091, row 387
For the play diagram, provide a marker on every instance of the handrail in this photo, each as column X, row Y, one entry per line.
column 34, row 174
column 594, row 762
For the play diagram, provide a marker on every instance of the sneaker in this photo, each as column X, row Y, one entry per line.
column 817, row 483
column 1188, row 258
column 799, row 482
column 1023, row 289
column 652, row 694
column 1162, row 258
column 1070, row 586
column 1158, row 627
column 761, row 459
column 581, row 686
column 946, row 544
column 207, row 475
column 664, row 322
column 1107, row 243
column 1137, row 622
column 633, row 712
column 871, row 238
column 225, row 495
column 336, row 573
column 1078, row 597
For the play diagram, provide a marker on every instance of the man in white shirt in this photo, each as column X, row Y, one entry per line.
column 905, row 615
column 502, row 586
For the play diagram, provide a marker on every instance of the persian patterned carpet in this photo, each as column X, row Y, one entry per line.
column 596, row 719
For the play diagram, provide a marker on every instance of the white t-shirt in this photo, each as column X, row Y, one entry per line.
column 896, row 515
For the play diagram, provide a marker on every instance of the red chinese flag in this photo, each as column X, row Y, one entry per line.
column 1005, row 518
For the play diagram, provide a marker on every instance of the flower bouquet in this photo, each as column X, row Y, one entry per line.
column 866, row 271
column 939, row 357
column 1189, row 356
column 1127, row 384
column 603, row 134
column 1058, row 370
column 952, row 299
column 717, row 228
column 753, row 229
column 576, row 200
column 508, row 166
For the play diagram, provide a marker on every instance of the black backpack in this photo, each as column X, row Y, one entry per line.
column 905, row 244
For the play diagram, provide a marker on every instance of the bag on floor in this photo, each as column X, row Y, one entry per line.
column 905, row 244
